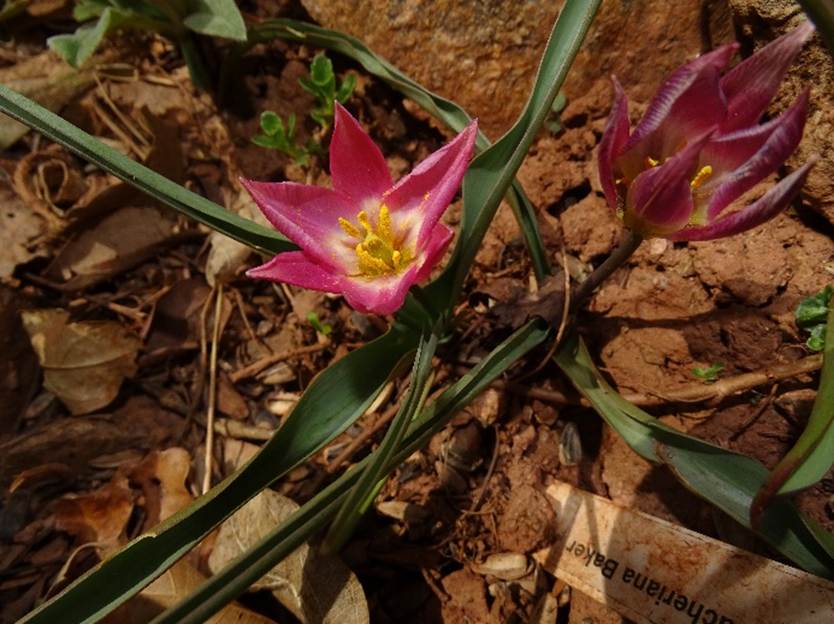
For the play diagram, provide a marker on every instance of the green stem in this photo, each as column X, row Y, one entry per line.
column 371, row 479
column 631, row 241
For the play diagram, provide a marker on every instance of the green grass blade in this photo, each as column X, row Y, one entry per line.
column 726, row 479
column 233, row 580
column 335, row 399
column 491, row 173
column 811, row 457
column 445, row 110
column 159, row 187
column 362, row 494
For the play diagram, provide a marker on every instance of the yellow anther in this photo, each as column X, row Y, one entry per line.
column 349, row 228
column 700, row 177
column 379, row 251
column 651, row 162
column 384, row 225
column 362, row 217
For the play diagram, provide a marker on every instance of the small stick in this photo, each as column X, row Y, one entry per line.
column 212, row 397
column 258, row 365
column 241, row 431
column 694, row 393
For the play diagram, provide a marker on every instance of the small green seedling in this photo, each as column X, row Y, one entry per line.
column 323, row 328
column 275, row 135
column 177, row 20
column 811, row 315
column 322, row 84
column 710, row 373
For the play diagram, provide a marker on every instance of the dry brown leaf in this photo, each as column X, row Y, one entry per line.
column 118, row 242
column 317, row 589
column 80, row 441
column 162, row 478
column 18, row 364
column 226, row 257
column 84, row 363
column 47, row 79
column 19, row 226
column 174, row 585
column 100, row 516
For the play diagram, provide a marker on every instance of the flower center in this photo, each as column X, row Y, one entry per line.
column 380, row 250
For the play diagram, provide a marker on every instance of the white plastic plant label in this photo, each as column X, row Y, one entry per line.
column 653, row 571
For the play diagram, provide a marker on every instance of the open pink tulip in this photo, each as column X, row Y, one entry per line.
column 368, row 238
column 699, row 146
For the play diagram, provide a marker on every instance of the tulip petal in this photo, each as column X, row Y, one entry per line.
column 728, row 152
column 764, row 209
column 308, row 216
column 294, row 267
column 383, row 295
column 440, row 238
column 751, row 84
column 659, row 201
column 688, row 105
column 421, row 197
column 785, row 134
column 613, row 140
column 357, row 166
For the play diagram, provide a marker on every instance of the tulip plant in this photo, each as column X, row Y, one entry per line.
column 698, row 148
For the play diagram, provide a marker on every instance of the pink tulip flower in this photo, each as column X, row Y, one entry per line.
column 699, row 146
column 368, row 238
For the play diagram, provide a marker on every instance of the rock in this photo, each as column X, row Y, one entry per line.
column 481, row 54
column 760, row 22
column 642, row 42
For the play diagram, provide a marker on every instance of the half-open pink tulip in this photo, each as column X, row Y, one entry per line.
column 699, row 146
column 368, row 238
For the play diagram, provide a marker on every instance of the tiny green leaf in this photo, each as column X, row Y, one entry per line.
column 321, row 72
column 271, row 124
column 816, row 341
column 216, row 18
column 346, row 88
column 710, row 373
column 323, row 328
column 813, row 310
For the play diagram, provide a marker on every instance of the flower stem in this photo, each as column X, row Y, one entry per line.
column 628, row 245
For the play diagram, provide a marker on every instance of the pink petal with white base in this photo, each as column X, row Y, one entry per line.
column 294, row 267
column 428, row 190
column 307, row 215
column 440, row 238
column 771, row 204
column 357, row 166
column 751, row 84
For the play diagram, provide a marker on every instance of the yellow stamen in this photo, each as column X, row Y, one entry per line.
column 379, row 251
column 349, row 228
column 651, row 162
column 383, row 226
column 700, row 177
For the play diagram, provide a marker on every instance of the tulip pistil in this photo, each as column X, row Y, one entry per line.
column 380, row 252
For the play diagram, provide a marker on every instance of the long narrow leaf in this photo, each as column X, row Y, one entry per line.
column 157, row 186
column 333, row 401
column 491, row 173
column 354, row 506
column 236, row 577
column 445, row 110
column 726, row 479
column 811, row 457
